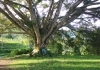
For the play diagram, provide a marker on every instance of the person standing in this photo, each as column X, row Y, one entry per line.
column 43, row 49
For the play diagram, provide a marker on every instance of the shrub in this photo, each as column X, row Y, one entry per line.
column 20, row 51
column 5, row 51
column 14, row 52
column 59, row 48
column 49, row 53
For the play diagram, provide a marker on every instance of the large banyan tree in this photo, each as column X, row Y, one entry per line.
column 40, row 19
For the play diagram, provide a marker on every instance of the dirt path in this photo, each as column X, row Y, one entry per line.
column 4, row 63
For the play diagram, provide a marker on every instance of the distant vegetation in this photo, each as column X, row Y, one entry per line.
column 14, row 44
column 80, row 42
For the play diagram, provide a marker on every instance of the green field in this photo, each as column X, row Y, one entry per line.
column 61, row 62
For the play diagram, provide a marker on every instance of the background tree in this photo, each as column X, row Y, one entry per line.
column 92, row 40
column 26, row 16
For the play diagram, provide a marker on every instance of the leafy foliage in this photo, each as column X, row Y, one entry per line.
column 20, row 51
column 86, row 1
column 29, row 23
column 38, row 1
column 93, row 38
column 59, row 48
column 44, row 5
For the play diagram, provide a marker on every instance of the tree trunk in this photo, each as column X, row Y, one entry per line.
column 37, row 49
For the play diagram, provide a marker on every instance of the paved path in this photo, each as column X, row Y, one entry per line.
column 4, row 63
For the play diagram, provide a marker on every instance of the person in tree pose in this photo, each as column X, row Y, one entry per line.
column 43, row 49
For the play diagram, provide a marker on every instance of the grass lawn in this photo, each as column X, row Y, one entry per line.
column 62, row 62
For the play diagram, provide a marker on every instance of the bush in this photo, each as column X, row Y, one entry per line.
column 20, row 51
column 59, row 48
column 14, row 52
column 49, row 53
column 5, row 51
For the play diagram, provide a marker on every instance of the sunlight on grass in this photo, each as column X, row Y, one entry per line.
column 58, row 63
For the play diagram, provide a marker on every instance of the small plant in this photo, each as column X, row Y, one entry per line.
column 59, row 48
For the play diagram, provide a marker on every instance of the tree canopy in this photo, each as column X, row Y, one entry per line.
column 42, row 18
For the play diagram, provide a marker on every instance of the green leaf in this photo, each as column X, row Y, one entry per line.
column 29, row 23
column 15, row 6
column 44, row 5
column 39, row 1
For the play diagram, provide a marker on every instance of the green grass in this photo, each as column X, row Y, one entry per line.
column 56, row 63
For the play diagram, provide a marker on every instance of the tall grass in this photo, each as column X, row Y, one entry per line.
column 56, row 63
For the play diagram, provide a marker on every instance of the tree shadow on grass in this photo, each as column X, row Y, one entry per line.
column 90, row 57
column 58, row 65
column 78, row 57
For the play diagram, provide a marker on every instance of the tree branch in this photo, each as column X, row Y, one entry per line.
column 49, row 13
column 18, row 4
column 33, row 18
column 94, row 15
column 17, row 12
column 13, row 21
column 54, row 20
column 72, row 10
